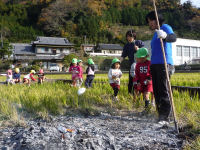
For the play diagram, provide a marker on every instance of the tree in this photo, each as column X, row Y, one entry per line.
column 96, row 6
column 68, row 59
column 195, row 24
column 5, row 49
column 133, row 16
column 167, row 4
column 89, row 26
column 53, row 18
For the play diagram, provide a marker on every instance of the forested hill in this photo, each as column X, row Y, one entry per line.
column 98, row 20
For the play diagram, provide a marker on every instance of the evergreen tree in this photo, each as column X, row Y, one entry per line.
column 5, row 49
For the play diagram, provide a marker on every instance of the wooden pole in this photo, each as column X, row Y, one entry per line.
column 167, row 74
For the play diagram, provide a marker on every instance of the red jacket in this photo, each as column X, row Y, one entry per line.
column 31, row 76
column 142, row 72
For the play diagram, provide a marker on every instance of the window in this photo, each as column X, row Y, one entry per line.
column 57, row 50
column 40, row 50
column 194, row 52
column 178, row 50
column 186, row 51
column 53, row 65
column 54, row 51
column 49, row 50
column 45, row 65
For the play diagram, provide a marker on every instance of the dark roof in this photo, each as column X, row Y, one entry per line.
column 20, row 48
column 90, row 45
column 52, row 41
column 109, row 47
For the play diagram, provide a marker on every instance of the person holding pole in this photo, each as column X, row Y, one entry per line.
column 158, row 71
column 129, row 50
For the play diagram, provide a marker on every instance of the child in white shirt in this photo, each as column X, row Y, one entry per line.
column 9, row 77
column 114, row 76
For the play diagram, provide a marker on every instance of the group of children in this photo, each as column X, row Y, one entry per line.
column 77, row 72
column 13, row 78
column 142, row 79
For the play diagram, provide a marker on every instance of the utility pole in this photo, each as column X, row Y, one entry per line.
column 1, row 32
column 85, row 38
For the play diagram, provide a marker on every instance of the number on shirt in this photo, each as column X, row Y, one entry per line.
column 143, row 69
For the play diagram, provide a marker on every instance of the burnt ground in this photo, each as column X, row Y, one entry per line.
column 129, row 131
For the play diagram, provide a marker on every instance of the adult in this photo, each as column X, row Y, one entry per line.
column 129, row 50
column 158, row 72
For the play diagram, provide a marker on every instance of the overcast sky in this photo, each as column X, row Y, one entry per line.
column 195, row 3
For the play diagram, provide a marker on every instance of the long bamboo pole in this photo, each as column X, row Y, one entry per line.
column 167, row 74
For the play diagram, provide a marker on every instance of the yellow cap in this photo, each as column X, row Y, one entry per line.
column 33, row 71
column 17, row 70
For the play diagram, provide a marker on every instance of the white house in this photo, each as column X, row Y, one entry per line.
column 110, row 49
column 183, row 50
column 101, row 49
column 88, row 48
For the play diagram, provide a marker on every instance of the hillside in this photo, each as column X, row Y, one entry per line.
column 100, row 21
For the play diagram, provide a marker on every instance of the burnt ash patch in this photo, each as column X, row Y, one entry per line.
column 92, row 132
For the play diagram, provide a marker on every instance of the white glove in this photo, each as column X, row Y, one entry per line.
column 132, row 70
column 145, row 82
column 161, row 34
column 134, row 83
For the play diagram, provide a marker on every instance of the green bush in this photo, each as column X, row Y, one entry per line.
column 5, row 65
column 195, row 66
column 35, row 67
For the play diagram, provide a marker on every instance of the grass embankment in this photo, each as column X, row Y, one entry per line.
column 59, row 98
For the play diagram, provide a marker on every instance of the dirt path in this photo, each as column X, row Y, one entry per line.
column 95, row 132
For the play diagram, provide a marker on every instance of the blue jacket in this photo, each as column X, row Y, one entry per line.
column 156, row 51
column 16, row 75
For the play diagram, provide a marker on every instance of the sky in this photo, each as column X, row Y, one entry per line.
column 195, row 3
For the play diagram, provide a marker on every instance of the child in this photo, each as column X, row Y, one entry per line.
column 80, row 75
column 142, row 75
column 90, row 73
column 9, row 78
column 16, row 76
column 41, row 76
column 114, row 76
column 27, row 78
column 74, row 69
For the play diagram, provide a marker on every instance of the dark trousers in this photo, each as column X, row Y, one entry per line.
column 116, row 90
column 115, row 87
column 160, row 89
column 130, row 84
column 88, row 81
